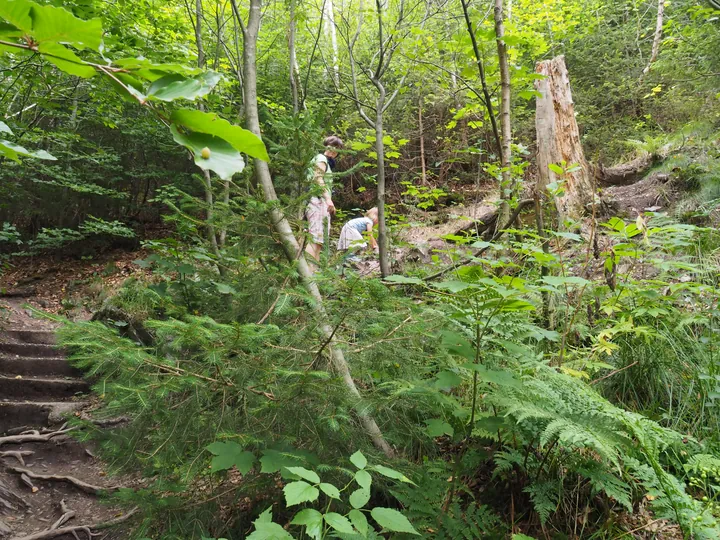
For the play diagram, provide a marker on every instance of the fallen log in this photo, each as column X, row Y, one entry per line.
column 625, row 173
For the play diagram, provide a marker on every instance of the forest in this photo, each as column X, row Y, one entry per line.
column 519, row 342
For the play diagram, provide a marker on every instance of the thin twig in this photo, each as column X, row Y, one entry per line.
column 614, row 372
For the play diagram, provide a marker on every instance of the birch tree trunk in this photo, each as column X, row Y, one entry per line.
column 658, row 35
column 505, row 125
column 380, row 151
column 290, row 244
column 294, row 79
column 558, row 140
column 330, row 14
column 422, row 142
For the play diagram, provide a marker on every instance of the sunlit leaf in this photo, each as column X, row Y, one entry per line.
column 300, row 492
column 313, row 521
column 241, row 139
column 223, row 159
column 175, row 86
column 339, row 522
column 65, row 60
column 14, row 151
column 392, row 520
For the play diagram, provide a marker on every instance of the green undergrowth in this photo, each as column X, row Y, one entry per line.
column 557, row 384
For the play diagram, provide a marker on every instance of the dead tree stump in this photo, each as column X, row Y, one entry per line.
column 558, row 140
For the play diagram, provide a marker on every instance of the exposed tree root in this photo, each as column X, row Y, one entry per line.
column 19, row 455
column 84, row 486
column 33, row 436
column 67, row 516
column 87, row 529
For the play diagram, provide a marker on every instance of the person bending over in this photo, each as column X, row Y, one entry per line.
column 321, row 207
column 352, row 234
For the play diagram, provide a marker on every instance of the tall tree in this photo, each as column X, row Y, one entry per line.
column 658, row 36
column 387, row 44
column 292, row 248
column 505, row 125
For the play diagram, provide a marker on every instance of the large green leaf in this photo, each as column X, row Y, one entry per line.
column 4, row 128
column 339, row 522
column 58, row 25
column 437, row 427
column 359, row 521
column 330, row 490
column 223, row 158
column 230, row 454
column 17, row 13
column 305, row 474
column 147, row 70
column 392, row 473
column 392, row 520
column 9, row 31
column 65, row 59
column 363, row 479
column 359, row 498
column 359, row 460
column 210, row 123
column 49, row 24
column 313, row 521
column 300, row 492
column 175, row 86
column 14, row 151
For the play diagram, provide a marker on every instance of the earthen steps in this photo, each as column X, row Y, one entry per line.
column 37, row 384
column 30, row 350
column 49, row 367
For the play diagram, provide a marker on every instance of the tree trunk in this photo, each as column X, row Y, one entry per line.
column 558, row 140
column 290, row 244
column 481, row 72
column 294, row 79
column 508, row 185
column 658, row 35
column 380, row 150
column 330, row 14
column 422, row 142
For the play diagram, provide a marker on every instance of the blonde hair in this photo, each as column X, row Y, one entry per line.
column 372, row 213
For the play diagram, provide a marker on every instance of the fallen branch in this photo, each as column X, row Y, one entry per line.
column 466, row 258
column 19, row 454
column 33, row 436
column 87, row 529
column 84, row 486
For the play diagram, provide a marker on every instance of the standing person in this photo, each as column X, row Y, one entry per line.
column 321, row 206
column 351, row 235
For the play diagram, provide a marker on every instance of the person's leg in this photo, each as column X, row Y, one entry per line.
column 315, row 213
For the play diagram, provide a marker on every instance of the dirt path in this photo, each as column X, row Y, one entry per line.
column 38, row 389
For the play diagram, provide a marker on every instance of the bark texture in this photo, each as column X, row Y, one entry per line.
column 658, row 35
column 507, row 188
column 558, row 139
column 290, row 244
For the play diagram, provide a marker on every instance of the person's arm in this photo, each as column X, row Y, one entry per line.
column 373, row 242
column 320, row 169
